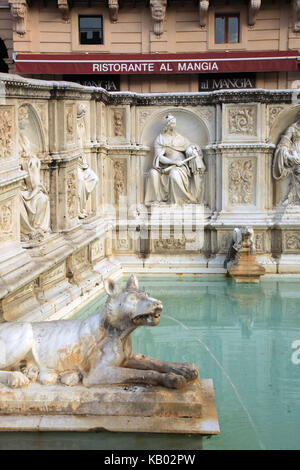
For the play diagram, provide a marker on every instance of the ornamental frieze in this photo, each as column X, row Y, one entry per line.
column 242, row 120
column 6, row 131
column 241, row 177
column 291, row 241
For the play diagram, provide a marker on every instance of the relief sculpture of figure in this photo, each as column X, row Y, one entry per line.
column 177, row 176
column 286, row 164
column 87, row 178
column 95, row 351
column 35, row 204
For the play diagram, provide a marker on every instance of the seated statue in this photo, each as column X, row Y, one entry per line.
column 35, row 205
column 96, row 350
column 177, row 176
column 286, row 163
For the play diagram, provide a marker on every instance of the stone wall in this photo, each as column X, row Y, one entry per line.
column 61, row 128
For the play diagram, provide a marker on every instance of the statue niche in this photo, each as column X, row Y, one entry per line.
column 178, row 172
column 286, row 166
column 87, row 178
column 35, row 205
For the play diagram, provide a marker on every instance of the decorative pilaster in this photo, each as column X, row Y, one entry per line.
column 296, row 16
column 18, row 10
column 113, row 6
column 64, row 8
column 254, row 7
column 158, row 13
column 203, row 10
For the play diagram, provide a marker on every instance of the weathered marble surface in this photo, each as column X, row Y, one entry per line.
column 249, row 141
column 113, row 408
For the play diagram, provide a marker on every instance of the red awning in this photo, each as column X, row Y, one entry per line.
column 217, row 62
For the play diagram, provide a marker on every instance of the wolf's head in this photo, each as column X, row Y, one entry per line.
column 131, row 307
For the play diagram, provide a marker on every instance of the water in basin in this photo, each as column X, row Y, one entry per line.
column 245, row 337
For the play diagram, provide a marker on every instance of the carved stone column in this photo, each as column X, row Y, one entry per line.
column 18, row 9
column 203, row 10
column 254, row 7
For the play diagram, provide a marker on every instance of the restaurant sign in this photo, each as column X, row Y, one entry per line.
column 217, row 62
column 227, row 82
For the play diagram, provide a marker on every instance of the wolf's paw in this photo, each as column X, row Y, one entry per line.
column 70, row 378
column 172, row 380
column 31, row 373
column 17, row 380
column 188, row 370
column 47, row 377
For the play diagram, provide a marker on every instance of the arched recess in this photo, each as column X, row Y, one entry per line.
column 32, row 127
column 29, row 123
column 285, row 119
column 188, row 124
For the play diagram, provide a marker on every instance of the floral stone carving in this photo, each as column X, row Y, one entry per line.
column 241, row 120
column 241, row 181
column 6, row 127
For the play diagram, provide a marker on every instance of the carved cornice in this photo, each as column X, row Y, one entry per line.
column 64, row 8
column 113, row 6
column 296, row 16
column 254, row 7
column 18, row 10
column 158, row 13
column 203, row 10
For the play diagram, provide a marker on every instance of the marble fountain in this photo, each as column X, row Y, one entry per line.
column 98, row 185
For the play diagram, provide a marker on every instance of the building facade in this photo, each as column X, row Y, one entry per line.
column 154, row 47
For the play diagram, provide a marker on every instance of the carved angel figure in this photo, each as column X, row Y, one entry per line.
column 35, row 205
column 286, row 164
column 177, row 176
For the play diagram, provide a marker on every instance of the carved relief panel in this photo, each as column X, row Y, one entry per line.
column 240, row 123
column 6, row 132
column 72, row 197
column 97, row 250
column 241, row 177
column 261, row 240
column 291, row 241
column 6, row 219
column 120, row 179
column 54, row 275
column 118, row 125
column 69, row 124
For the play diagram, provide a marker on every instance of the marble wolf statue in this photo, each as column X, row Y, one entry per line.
column 95, row 350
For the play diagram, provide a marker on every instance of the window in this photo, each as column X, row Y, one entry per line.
column 226, row 28
column 90, row 30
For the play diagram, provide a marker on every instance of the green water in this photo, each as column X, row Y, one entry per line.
column 250, row 331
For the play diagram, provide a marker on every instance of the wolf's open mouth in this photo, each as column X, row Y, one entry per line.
column 153, row 315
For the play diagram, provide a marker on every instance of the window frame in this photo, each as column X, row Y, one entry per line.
column 226, row 27
column 102, row 30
